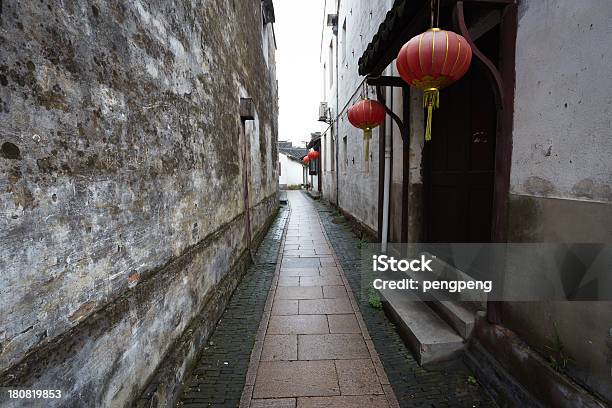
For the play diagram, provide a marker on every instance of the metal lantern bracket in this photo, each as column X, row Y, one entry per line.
column 397, row 82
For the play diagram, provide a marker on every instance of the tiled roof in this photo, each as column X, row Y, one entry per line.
column 405, row 19
column 293, row 152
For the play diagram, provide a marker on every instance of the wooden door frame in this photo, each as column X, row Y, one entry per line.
column 502, row 81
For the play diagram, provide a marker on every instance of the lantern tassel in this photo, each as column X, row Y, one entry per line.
column 431, row 101
column 367, row 134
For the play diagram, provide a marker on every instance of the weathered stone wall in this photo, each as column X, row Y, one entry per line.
column 121, row 192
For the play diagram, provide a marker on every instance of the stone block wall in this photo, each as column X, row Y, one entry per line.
column 121, row 181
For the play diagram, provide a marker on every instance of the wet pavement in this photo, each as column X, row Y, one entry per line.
column 313, row 348
column 299, row 332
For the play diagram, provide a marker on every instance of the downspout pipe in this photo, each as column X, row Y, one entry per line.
column 387, row 182
column 337, row 111
column 387, row 175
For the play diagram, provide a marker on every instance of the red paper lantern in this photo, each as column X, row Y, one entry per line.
column 432, row 60
column 306, row 160
column 313, row 155
column 366, row 115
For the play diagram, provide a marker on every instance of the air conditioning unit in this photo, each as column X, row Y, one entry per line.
column 323, row 112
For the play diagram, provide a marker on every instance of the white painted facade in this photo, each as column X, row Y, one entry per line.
column 291, row 171
column 342, row 86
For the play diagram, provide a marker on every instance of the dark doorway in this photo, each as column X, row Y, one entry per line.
column 460, row 162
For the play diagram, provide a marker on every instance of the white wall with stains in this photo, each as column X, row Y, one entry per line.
column 563, row 103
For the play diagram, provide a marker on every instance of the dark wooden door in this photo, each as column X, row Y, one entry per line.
column 459, row 163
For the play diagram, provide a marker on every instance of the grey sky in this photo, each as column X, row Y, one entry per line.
column 298, row 39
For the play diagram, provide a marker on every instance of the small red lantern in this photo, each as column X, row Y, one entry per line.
column 432, row 60
column 313, row 155
column 306, row 160
column 366, row 115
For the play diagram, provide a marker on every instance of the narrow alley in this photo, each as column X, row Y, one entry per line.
column 325, row 203
column 305, row 342
column 314, row 342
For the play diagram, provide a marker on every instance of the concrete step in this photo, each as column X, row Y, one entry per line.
column 457, row 310
column 429, row 337
column 459, row 316
column 446, row 272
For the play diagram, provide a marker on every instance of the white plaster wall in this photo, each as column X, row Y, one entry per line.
column 358, row 183
column 291, row 171
column 563, row 103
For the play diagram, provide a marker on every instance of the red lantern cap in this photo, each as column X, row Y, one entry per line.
column 306, row 160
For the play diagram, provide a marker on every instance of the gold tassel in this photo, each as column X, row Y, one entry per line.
column 367, row 134
column 431, row 101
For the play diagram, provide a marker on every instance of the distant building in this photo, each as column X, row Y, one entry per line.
column 291, row 170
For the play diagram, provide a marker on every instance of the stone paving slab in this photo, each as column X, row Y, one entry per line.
column 288, row 280
column 284, row 307
column 298, row 324
column 358, row 377
column 332, row 347
column 297, row 292
column 297, row 262
column 274, row 403
column 343, row 324
column 296, row 379
column 362, row 401
column 334, row 292
column 329, row 280
column 299, row 272
column 324, row 306
column 329, row 270
column 279, row 347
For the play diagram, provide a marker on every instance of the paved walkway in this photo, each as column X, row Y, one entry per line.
column 313, row 348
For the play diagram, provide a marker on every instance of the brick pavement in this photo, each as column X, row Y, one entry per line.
column 313, row 348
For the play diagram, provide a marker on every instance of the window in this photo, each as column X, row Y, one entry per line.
column 343, row 38
column 344, row 152
column 331, row 63
column 323, row 151
column 324, row 82
column 332, row 151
